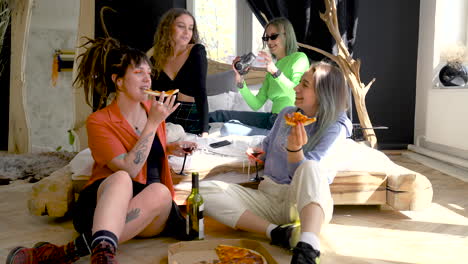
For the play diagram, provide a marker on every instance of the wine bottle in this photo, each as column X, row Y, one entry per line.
column 195, row 228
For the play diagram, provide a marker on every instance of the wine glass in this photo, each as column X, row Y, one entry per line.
column 254, row 153
column 187, row 148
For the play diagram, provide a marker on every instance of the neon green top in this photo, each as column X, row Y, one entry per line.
column 280, row 90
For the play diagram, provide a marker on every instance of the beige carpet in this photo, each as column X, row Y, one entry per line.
column 357, row 234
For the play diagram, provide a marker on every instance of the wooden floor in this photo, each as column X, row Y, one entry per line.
column 357, row 234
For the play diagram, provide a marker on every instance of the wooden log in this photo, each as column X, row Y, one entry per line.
column 18, row 130
column 82, row 110
column 350, row 68
column 409, row 191
column 359, row 188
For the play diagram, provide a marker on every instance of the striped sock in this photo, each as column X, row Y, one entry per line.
column 104, row 235
column 83, row 244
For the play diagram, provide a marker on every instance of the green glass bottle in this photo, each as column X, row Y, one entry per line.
column 195, row 225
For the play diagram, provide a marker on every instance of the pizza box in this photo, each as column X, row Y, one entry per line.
column 198, row 251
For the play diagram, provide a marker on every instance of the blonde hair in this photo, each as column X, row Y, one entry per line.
column 162, row 38
column 290, row 41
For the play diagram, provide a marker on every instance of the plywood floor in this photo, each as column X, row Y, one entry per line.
column 357, row 234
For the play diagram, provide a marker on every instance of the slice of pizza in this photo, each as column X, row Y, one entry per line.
column 158, row 93
column 294, row 118
column 231, row 254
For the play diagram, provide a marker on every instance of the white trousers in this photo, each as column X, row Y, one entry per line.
column 276, row 203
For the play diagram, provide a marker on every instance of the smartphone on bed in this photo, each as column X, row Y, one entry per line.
column 220, row 144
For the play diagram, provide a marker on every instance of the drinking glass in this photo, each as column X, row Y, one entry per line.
column 254, row 153
column 187, row 148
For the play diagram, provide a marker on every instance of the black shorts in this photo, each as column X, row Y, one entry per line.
column 83, row 211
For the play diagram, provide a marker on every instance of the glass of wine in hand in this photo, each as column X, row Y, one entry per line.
column 188, row 149
column 254, row 153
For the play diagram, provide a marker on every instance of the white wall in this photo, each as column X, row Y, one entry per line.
column 54, row 25
column 441, row 114
column 56, row 14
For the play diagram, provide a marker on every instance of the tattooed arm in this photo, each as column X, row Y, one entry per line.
column 133, row 161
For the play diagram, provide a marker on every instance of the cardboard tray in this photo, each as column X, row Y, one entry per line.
column 197, row 251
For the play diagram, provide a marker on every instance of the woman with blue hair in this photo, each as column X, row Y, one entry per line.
column 294, row 200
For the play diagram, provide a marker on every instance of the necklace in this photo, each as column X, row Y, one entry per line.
column 137, row 130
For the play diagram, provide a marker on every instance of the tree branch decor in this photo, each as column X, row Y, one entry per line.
column 350, row 68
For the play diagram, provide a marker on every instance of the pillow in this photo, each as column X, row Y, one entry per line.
column 81, row 166
column 223, row 101
column 239, row 103
column 174, row 132
column 219, row 83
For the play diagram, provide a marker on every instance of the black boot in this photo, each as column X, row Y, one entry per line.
column 286, row 236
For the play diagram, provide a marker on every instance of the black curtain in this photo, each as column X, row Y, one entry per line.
column 308, row 26
column 133, row 23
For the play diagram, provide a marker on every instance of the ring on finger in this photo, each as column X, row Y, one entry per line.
column 160, row 103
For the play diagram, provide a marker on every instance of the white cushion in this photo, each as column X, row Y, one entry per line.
column 81, row 165
column 223, row 101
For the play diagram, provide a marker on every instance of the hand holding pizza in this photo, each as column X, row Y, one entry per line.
column 162, row 107
column 297, row 136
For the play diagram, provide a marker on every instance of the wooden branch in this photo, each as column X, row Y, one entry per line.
column 350, row 68
column 82, row 110
column 18, row 131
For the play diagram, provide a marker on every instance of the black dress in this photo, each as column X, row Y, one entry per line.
column 191, row 81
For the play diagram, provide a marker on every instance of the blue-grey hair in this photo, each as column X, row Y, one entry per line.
column 284, row 26
column 332, row 98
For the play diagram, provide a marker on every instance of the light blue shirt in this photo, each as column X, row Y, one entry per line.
column 276, row 161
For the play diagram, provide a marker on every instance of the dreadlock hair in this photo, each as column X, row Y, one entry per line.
column 162, row 47
column 332, row 97
column 102, row 58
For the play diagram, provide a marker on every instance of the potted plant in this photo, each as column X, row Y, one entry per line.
column 454, row 73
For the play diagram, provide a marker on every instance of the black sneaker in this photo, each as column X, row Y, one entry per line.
column 304, row 253
column 286, row 236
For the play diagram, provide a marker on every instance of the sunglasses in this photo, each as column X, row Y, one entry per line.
column 272, row 37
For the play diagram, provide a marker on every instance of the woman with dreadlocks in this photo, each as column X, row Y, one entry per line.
column 130, row 191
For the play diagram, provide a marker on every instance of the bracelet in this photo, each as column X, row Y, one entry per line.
column 288, row 150
column 276, row 74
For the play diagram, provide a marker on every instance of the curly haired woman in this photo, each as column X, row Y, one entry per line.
column 180, row 63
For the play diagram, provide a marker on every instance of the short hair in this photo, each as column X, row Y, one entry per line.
column 102, row 58
column 283, row 24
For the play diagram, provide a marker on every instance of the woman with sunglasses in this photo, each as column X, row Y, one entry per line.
column 285, row 66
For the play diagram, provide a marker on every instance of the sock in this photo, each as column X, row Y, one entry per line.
column 311, row 239
column 269, row 229
column 104, row 235
column 83, row 244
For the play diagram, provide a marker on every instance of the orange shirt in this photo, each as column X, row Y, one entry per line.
column 110, row 135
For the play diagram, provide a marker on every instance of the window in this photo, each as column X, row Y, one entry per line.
column 227, row 28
